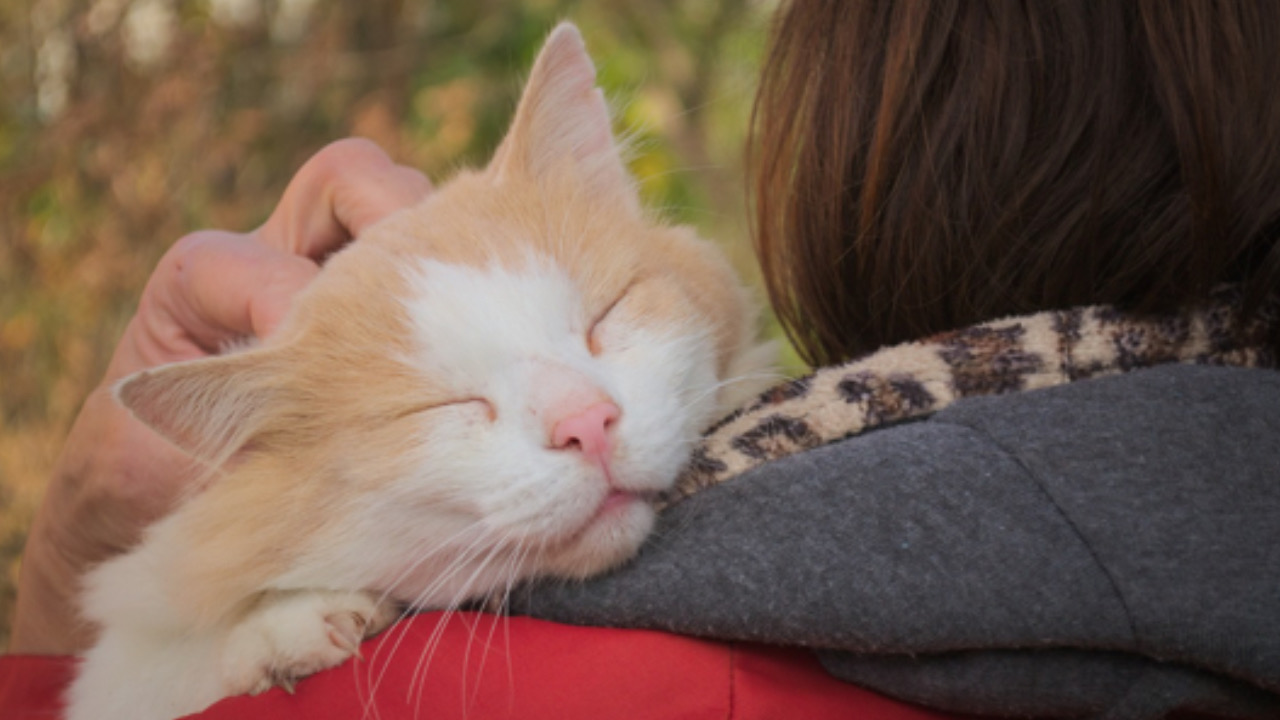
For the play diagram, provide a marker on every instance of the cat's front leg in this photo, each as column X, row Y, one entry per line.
column 152, row 663
column 287, row 635
column 136, row 673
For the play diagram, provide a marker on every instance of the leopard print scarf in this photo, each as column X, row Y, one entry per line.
column 916, row 379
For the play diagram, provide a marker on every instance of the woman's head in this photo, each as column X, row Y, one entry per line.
column 925, row 164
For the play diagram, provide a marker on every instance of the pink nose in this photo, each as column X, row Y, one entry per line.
column 587, row 431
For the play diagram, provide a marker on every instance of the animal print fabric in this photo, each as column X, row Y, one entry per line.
column 1015, row 354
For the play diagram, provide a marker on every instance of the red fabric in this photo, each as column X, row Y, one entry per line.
column 31, row 686
column 485, row 668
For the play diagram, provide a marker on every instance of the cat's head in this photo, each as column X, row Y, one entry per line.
column 499, row 379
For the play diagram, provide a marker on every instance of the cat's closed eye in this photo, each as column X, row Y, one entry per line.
column 594, row 340
column 476, row 403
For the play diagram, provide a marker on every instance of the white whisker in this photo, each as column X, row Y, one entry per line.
column 463, row 557
column 464, row 592
column 711, row 390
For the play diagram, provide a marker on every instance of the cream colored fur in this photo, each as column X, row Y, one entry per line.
column 389, row 445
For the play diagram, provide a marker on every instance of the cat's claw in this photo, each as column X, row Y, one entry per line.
column 346, row 630
column 287, row 684
column 288, row 636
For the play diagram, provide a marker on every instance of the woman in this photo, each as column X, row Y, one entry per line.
column 1103, row 546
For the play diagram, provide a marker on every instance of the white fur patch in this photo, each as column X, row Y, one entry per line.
column 471, row 325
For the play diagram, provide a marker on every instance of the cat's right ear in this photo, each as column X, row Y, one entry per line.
column 562, row 123
column 208, row 407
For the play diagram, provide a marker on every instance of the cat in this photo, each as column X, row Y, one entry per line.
column 490, row 386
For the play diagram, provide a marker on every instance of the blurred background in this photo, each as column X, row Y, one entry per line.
column 125, row 124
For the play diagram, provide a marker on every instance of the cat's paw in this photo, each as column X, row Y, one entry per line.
column 288, row 636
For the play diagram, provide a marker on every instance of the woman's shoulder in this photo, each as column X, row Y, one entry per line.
column 1098, row 516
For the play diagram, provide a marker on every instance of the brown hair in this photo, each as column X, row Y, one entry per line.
column 926, row 164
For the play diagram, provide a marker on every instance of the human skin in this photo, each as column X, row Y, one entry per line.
column 114, row 475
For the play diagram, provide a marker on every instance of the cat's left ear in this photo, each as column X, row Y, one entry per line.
column 562, row 123
column 208, row 407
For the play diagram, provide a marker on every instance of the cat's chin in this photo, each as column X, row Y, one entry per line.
column 609, row 538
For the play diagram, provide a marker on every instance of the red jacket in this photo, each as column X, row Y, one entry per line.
column 484, row 667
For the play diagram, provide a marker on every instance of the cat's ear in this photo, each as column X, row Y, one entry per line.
column 208, row 407
column 562, row 122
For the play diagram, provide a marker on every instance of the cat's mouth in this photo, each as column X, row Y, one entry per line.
column 620, row 497
column 612, row 508
column 615, row 500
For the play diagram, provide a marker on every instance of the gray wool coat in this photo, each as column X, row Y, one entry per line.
column 1108, row 548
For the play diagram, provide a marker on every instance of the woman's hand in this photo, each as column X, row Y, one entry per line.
column 115, row 476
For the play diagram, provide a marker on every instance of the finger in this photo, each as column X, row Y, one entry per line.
column 214, row 287
column 346, row 187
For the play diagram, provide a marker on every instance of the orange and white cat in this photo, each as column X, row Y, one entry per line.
column 490, row 386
